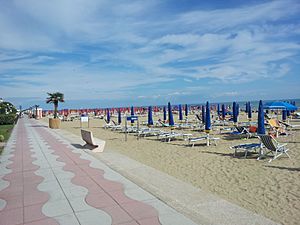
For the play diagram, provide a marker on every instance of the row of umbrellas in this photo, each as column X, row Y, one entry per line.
column 286, row 107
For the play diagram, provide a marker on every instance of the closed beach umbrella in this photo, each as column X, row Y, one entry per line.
column 107, row 115
column 186, row 110
column 284, row 115
column 261, row 119
column 247, row 107
column 165, row 113
column 223, row 112
column 171, row 120
column 207, row 118
column 234, row 112
column 150, row 120
column 218, row 110
column 203, row 114
column 180, row 112
column 119, row 116
column 249, row 111
column 132, row 113
column 288, row 112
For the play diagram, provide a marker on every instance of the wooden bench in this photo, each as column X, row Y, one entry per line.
column 87, row 136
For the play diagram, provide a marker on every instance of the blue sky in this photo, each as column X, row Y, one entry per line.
column 103, row 53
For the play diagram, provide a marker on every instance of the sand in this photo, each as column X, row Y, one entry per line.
column 269, row 189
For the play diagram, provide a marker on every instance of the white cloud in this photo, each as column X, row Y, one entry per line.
column 226, row 18
column 98, row 48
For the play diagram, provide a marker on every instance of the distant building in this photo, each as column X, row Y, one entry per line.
column 39, row 113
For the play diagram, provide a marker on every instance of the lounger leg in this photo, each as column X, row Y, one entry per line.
column 246, row 152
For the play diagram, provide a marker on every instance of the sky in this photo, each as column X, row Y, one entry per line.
column 103, row 53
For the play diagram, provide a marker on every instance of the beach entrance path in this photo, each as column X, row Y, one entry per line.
column 46, row 180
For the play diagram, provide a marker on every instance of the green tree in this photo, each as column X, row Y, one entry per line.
column 55, row 98
column 7, row 108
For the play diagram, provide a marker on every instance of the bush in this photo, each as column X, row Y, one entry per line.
column 1, row 138
column 7, row 119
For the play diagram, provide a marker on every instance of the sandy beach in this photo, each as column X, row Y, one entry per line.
column 270, row 189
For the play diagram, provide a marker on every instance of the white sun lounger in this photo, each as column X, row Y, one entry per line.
column 192, row 141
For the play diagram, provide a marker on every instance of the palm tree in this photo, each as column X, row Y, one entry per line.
column 55, row 98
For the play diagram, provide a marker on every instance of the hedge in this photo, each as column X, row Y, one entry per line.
column 7, row 119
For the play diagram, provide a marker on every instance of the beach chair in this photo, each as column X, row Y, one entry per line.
column 241, row 131
column 276, row 127
column 107, row 124
column 277, row 149
column 161, row 123
column 198, row 118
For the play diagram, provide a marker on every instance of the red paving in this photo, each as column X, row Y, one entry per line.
column 25, row 201
column 106, row 195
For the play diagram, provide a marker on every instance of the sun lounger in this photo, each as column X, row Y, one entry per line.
column 208, row 138
column 129, row 129
column 161, row 123
column 148, row 132
column 168, row 136
column 288, row 125
column 247, row 147
column 240, row 131
column 244, row 131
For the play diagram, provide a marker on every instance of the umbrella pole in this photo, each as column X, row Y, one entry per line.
column 207, row 139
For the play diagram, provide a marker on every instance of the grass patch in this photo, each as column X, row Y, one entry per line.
column 5, row 130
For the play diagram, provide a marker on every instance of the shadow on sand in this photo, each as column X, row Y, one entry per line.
column 284, row 168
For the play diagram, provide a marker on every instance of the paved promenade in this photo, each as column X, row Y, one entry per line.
column 45, row 180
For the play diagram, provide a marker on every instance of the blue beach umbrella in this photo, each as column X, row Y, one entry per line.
column 234, row 112
column 180, row 112
column 203, row 114
column 132, row 113
column 279, row 105
column 218, row 110
column 150, row 120
column 107, row 115
column 171, row 120
column 119, row 116
column 261, row 119
column 284, row 115
column 247, row 107
column 207, row 118
column 165, row 113
column 249, row 111
column 223, row 112
column 288, row 112
column 186, row 110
